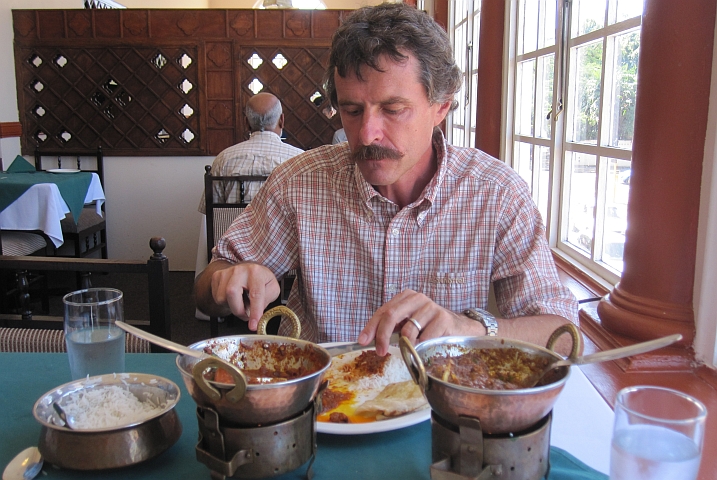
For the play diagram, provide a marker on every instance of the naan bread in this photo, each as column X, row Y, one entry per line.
column 394, row 400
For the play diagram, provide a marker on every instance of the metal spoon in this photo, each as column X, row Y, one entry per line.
column 68, row 419
column 604, row 356
column 25, row 466
column 179, row 348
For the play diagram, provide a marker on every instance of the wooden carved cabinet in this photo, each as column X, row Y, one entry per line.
column 168, row 82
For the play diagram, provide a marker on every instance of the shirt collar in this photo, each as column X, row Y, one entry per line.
column 265, row 134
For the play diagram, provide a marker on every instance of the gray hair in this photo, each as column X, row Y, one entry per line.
column 258, row 122
column 395, row 29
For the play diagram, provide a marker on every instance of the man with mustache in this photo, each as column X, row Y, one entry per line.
column 396, row 229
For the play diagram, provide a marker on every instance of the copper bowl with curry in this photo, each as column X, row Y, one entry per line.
column 454, row 389
column 252, row 380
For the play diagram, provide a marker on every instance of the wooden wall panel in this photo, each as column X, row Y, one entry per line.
column 107, row 23
column 168, row 82
column 270, row 26
column 51, row 23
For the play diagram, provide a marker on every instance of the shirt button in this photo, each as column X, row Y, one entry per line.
column 394, row 232
column 391, row 288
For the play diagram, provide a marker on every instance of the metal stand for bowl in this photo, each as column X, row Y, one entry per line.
column 256, row 452
column 464, row 451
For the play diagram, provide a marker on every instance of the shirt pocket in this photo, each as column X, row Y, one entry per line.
column 456, row 291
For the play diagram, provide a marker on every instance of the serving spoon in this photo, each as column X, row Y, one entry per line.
column 604, row 356
column 179, row 348
column 25, row 466
column 68, row 419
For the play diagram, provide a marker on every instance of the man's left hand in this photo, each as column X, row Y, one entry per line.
column 405, row 312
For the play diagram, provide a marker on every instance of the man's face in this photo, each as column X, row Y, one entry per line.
column 389, row 124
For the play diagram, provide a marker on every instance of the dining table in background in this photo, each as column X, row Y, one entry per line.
column 580, row 437
column 42, row 205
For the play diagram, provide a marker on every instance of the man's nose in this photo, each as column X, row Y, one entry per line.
column 371, row 130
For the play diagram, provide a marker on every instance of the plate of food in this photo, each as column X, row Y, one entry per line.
column 63, row 170
column 370, row 394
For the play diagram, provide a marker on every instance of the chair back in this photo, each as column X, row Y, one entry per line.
column 156, row 271
column 87, row 161
column 220, row 212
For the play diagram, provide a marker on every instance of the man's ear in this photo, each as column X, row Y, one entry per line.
column 280, row 124
column 441, row 113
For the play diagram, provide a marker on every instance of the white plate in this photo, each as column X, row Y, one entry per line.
column 395, row 423
column 63, row 170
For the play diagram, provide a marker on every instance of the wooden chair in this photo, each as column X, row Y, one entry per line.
column 89, row 234
column 156, row 270
column 16, row 243
column 220, row 214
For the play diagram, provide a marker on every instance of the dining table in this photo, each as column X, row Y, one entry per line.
column 39, row 200
column 580, row 435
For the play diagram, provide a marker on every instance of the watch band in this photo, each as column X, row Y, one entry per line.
column 484, row 317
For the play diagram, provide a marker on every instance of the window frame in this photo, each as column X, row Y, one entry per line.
column 560, row 147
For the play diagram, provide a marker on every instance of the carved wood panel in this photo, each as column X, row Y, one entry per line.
column 168, row 82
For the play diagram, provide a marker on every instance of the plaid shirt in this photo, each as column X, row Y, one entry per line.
column 259, row 155
column 474, row 224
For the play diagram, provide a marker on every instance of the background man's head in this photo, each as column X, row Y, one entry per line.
column 263, row 113
column 394, row 30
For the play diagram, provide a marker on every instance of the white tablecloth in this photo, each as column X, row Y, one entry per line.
column 582, row 422
column 42, row 207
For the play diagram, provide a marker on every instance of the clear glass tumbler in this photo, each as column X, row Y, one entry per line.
column 95, row 345
column 657, row 435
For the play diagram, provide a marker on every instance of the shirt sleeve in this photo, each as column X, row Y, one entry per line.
column 525, row 279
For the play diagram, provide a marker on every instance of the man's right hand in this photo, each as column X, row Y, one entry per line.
column 244, row 289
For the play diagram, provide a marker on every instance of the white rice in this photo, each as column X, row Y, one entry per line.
column 106, row 407
column 395, row 371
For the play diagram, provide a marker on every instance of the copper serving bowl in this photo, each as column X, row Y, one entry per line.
column 106, row 448
column 247, row 404
column 499, row 411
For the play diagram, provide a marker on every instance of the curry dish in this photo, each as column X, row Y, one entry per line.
column 487, row 368
column 264, row 363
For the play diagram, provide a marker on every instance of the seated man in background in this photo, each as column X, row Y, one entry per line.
column 259, row 155
column 339, row 136
column 395, row 230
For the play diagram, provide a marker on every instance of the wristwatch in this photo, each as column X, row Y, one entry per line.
column 484, row 317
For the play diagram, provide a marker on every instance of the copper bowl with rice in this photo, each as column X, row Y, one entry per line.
column 120, row 420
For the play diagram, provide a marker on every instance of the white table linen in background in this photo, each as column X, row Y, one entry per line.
column 42, row 207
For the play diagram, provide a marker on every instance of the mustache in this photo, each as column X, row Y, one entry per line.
column 375, row 152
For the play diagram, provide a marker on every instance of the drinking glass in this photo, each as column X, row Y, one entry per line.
column 657, row 435
column 95, row 345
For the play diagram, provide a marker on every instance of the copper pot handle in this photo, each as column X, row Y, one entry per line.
column 571, row 329
column 413, row 363
column 233, row 395
column 280, row 310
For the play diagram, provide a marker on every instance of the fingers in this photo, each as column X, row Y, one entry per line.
column 415, row 315
column 392, row 316
column 247, row 289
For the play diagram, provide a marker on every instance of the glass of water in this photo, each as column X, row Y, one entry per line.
column 657, row 435
column 95, row 345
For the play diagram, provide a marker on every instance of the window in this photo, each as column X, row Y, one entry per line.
column 465, row 22
column 570, row 123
